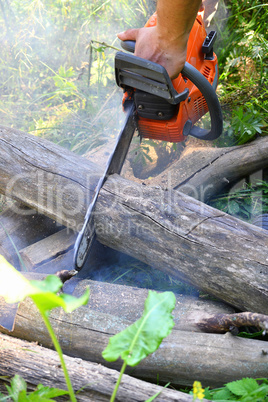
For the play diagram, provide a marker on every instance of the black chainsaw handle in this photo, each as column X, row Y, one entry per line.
column 206, row 89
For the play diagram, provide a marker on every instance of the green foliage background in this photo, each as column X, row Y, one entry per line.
column 45, row 48
column 44, row 67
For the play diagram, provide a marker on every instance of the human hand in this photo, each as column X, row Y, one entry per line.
column 151, row 45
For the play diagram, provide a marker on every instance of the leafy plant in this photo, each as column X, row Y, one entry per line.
column 144, row 336
column 245, row 124
column 15, row 288
column 17, row 391
column 244, row 390
column 242, row 54
column 246, row 202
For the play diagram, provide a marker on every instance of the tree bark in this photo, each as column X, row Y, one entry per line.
column 187, row 239
column 94, row 382
column 183, row 357
column 127, row 303
column 45, row 177
column 48, row 249
column 166, row 229
column 203, row 172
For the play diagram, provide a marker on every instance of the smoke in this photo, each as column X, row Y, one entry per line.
column 46, row 90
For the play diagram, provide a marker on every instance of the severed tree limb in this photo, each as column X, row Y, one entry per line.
column 22, row 226
column 221, row 323
column 203, row 172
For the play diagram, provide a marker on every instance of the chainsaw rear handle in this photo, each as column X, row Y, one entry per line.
column 207, row 90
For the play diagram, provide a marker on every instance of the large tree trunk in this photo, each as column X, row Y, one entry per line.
column 166, row 229
column 183, row 357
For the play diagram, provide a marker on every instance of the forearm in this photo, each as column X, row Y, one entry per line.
column 166, row 43
column 175, row 19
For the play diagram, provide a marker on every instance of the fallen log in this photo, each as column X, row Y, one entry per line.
column 222, row 323
column 187, row 239
column 92, row 381
column 126, row 302
column 181, row 236
column 183, row 357
column 203, row 172
column 46, row 177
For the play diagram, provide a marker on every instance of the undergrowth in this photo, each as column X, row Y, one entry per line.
column 242, row 52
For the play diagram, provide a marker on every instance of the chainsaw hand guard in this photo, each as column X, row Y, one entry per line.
column 168, row 110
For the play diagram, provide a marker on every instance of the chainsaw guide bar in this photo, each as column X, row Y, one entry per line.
column 86, row 238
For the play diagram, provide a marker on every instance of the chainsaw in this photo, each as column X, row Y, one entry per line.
column 159, row 108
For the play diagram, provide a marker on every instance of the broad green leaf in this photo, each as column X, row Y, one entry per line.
column 243, row 387
column 42, row 394
column 51, row 283
column 145, row 335
column 221, row 395
column 14, row 288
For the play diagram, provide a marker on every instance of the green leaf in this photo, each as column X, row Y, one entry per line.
column 3, row 398
column 233, row 207
column 222, row 394
column 145, row 335
column 51, row 283
column 44, row 394
column 17, row 386
column 15, row 288
column 243, row 387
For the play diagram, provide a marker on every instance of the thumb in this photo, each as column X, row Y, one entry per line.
column 130, row 34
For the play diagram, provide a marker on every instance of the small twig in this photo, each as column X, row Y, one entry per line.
column 91, row 47
column 65, row 275
column 106, row 45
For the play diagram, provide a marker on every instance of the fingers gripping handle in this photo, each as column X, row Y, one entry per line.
column 207, row 91
column 128, row 45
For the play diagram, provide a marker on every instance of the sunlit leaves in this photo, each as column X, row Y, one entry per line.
column 18, row 392
column 14, row 287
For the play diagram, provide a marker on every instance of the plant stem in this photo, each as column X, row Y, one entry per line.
column 59, row 351
column 118, row 382
column 105, row 44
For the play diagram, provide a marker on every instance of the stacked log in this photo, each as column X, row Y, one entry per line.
column 165, row 228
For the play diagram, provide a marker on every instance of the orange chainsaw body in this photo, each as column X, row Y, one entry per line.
column 195, row 106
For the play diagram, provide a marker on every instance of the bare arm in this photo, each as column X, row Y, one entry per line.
column 166, row 43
